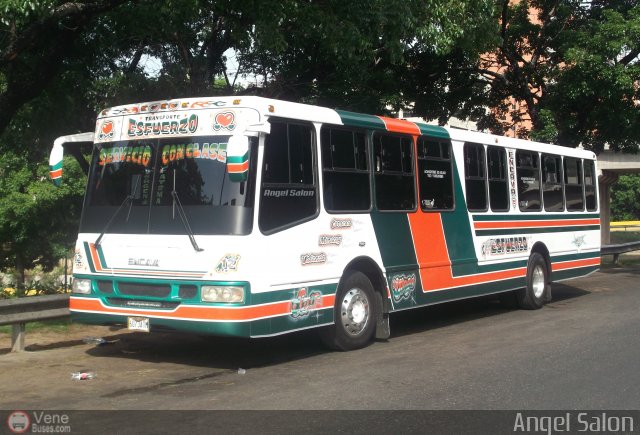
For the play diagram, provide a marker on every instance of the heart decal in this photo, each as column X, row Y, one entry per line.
column 224, row 120
column 107, row 127
column 106, row 130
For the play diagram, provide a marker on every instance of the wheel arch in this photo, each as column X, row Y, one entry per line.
column 371, row 269
column 373, row 272
column 542, row 249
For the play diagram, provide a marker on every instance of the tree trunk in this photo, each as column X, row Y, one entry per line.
column 20, row 277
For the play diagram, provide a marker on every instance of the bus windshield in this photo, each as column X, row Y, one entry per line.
column 145, row 173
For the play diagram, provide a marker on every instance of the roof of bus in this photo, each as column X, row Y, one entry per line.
column 270, row 107
column 457, row 134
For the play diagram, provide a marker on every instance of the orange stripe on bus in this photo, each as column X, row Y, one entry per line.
column 400, row 126
column 433, row 257
column 238, row 167
column 576, row 263
column 526, row 224
column 199, row 313
column 95, row 257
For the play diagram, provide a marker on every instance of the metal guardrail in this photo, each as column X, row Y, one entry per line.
column 17, row 312
column 624, row 225
column 618, row 249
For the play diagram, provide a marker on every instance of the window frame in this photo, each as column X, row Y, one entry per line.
column 476, row 145
column 505, row 167
column 402, row 173
column 581, row 169
column 594, row 176
column 425, row 158
column 517, row 167
column 368, row 171
column 315, row 177
column 543, row 182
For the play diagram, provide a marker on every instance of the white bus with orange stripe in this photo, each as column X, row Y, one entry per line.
column 254, row 217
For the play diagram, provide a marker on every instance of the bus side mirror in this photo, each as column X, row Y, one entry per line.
column 72, row 143
column 238, row 157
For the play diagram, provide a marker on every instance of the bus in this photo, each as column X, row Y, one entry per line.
column 254, row 217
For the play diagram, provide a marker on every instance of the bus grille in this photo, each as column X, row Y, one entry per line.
column 137, row 289
column 132, row 303
column 188, row 291
column 105, row 286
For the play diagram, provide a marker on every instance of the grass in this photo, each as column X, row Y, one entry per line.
column 624, row 236
column 57, row 325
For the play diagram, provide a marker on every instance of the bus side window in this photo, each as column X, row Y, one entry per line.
column 590, row 185
column 345, row 170
column 475, row 177
column 394, row 179
column 435, row 174
column 498, row 183
column 552, row 182
column 528, row 177
column 288, row 195
column 573, row 184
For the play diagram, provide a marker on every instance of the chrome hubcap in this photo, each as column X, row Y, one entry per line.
column 354, row 311
column 537, row 281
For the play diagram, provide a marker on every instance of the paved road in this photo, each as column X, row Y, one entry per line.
column 579, row 352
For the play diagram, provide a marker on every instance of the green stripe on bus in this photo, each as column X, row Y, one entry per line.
column 572, row 257
column 282, row 324
column 573, row 273
column 432, row 131
column 435, row 297
column 457, row 232
column 238, row 159
column 232, row 329
column 532, row 217
column 88, row 257
column 535, row 230
column 361, row 120
column 395, row 242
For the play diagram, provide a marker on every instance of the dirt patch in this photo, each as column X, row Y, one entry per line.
column 44, row 339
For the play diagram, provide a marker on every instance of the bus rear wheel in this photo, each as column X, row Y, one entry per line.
column 534, row 294
column 355, row 312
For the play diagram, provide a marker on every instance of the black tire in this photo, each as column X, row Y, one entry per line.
column 535, row 294
column 355, row 313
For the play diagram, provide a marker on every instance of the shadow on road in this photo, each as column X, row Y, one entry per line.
column 224, row 353
column 615, row 270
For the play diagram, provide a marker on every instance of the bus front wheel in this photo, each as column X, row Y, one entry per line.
column 355, row 312
column 533, row 295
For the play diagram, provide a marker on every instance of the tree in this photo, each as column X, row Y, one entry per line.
column 36, row 38
column 570, row 66
column 38, row 221
column 625, row 198
column 356, row 55
column 594, row 98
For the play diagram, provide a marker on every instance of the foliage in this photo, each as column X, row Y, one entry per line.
column 625, row 198
column 595, row 97
column 37, row 220
column 568, row 67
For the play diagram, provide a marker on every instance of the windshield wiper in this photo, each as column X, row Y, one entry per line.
column 185, row 221
column 127, row 200
column 136, row 180
column 183, row 215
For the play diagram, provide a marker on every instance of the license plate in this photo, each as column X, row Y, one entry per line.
column 138, row 324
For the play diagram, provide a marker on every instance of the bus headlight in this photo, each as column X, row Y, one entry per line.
column 82, row 286
column 210, row 293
